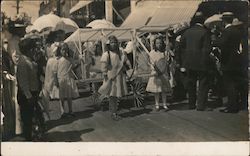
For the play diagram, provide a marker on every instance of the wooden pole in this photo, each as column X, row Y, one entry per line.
column 132, row 5
column 58, row 8
column 109, row 10
column 17, row 6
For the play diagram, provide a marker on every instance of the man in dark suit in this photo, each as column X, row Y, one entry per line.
column 232, row 62
column 28, row 89
column 196, row 46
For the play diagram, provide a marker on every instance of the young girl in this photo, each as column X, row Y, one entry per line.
column 159, row 82
column 66, row 82
column 113, row 62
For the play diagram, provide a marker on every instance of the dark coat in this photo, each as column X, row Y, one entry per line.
column 229, row 43
column 195, row 48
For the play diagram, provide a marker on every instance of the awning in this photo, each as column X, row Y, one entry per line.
column 79, row 5
column 88, row 35
column 85, row 35
column 161, row 13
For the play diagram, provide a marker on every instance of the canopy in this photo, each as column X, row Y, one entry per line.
column 92, row 35
column 85, row 35
column 79, row 5
column 161, row 13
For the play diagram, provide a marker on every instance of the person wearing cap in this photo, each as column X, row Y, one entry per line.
column 195, row 47
column 232, row 65
column 112, row 62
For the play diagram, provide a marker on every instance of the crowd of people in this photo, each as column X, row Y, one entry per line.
column 213, row 58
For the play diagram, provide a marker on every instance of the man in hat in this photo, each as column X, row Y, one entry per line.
column 231, row 62
column 28, row 87
column 195, row 47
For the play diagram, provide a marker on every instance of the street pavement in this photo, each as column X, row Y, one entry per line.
column 143, row 124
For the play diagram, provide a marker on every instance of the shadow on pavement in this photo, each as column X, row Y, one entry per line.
column 133, row 113
column 70, row 136
column 182, row 106
column 78, row 115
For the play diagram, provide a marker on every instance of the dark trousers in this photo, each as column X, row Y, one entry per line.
column 179, row 91
column 27, row 113
column 8, row 109
column 236, row 89
column 203, row 79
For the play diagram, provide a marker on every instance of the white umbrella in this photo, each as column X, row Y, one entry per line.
column 49, row 21
column 69, row 25
column 96, row 24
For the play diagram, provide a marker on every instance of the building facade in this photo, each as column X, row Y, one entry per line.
column 87, row 11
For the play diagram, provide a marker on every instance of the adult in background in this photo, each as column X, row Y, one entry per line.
column 232, row 63
column 195, row 43
column 113, row 62
column 8, row 106
column 28, row 88
column 50, row 90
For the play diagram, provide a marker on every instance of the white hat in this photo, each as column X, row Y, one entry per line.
column 227, row 15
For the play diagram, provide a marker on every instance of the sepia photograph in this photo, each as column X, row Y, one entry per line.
column 125, row 77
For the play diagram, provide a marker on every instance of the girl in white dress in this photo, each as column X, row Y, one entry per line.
column 66, row 82
column 113, row 62
column 159, row 82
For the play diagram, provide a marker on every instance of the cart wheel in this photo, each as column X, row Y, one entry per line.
column 138, row 90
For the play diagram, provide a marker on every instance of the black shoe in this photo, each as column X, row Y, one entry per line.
column 226, row 110
column 71, row 114
column 64, row 115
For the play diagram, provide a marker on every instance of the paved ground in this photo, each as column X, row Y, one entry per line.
column 138, row 124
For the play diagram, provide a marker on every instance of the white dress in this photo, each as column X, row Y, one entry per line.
column 156, row 83
column 119, row 85
column 50, row 71
column 67, row 84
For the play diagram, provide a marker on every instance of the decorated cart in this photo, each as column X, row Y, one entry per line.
column 82, row 42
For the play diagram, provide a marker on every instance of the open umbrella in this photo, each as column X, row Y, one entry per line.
column 96, row 24
column 49, row 21
column 69, row 25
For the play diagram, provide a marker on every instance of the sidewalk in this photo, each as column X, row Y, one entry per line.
column 138, row 124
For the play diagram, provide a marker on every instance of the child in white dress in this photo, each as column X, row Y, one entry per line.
column 67, row 84
column 159, row 82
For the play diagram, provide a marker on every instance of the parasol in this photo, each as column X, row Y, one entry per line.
column 69, row 25
column 49, row 21
column 96, row 24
